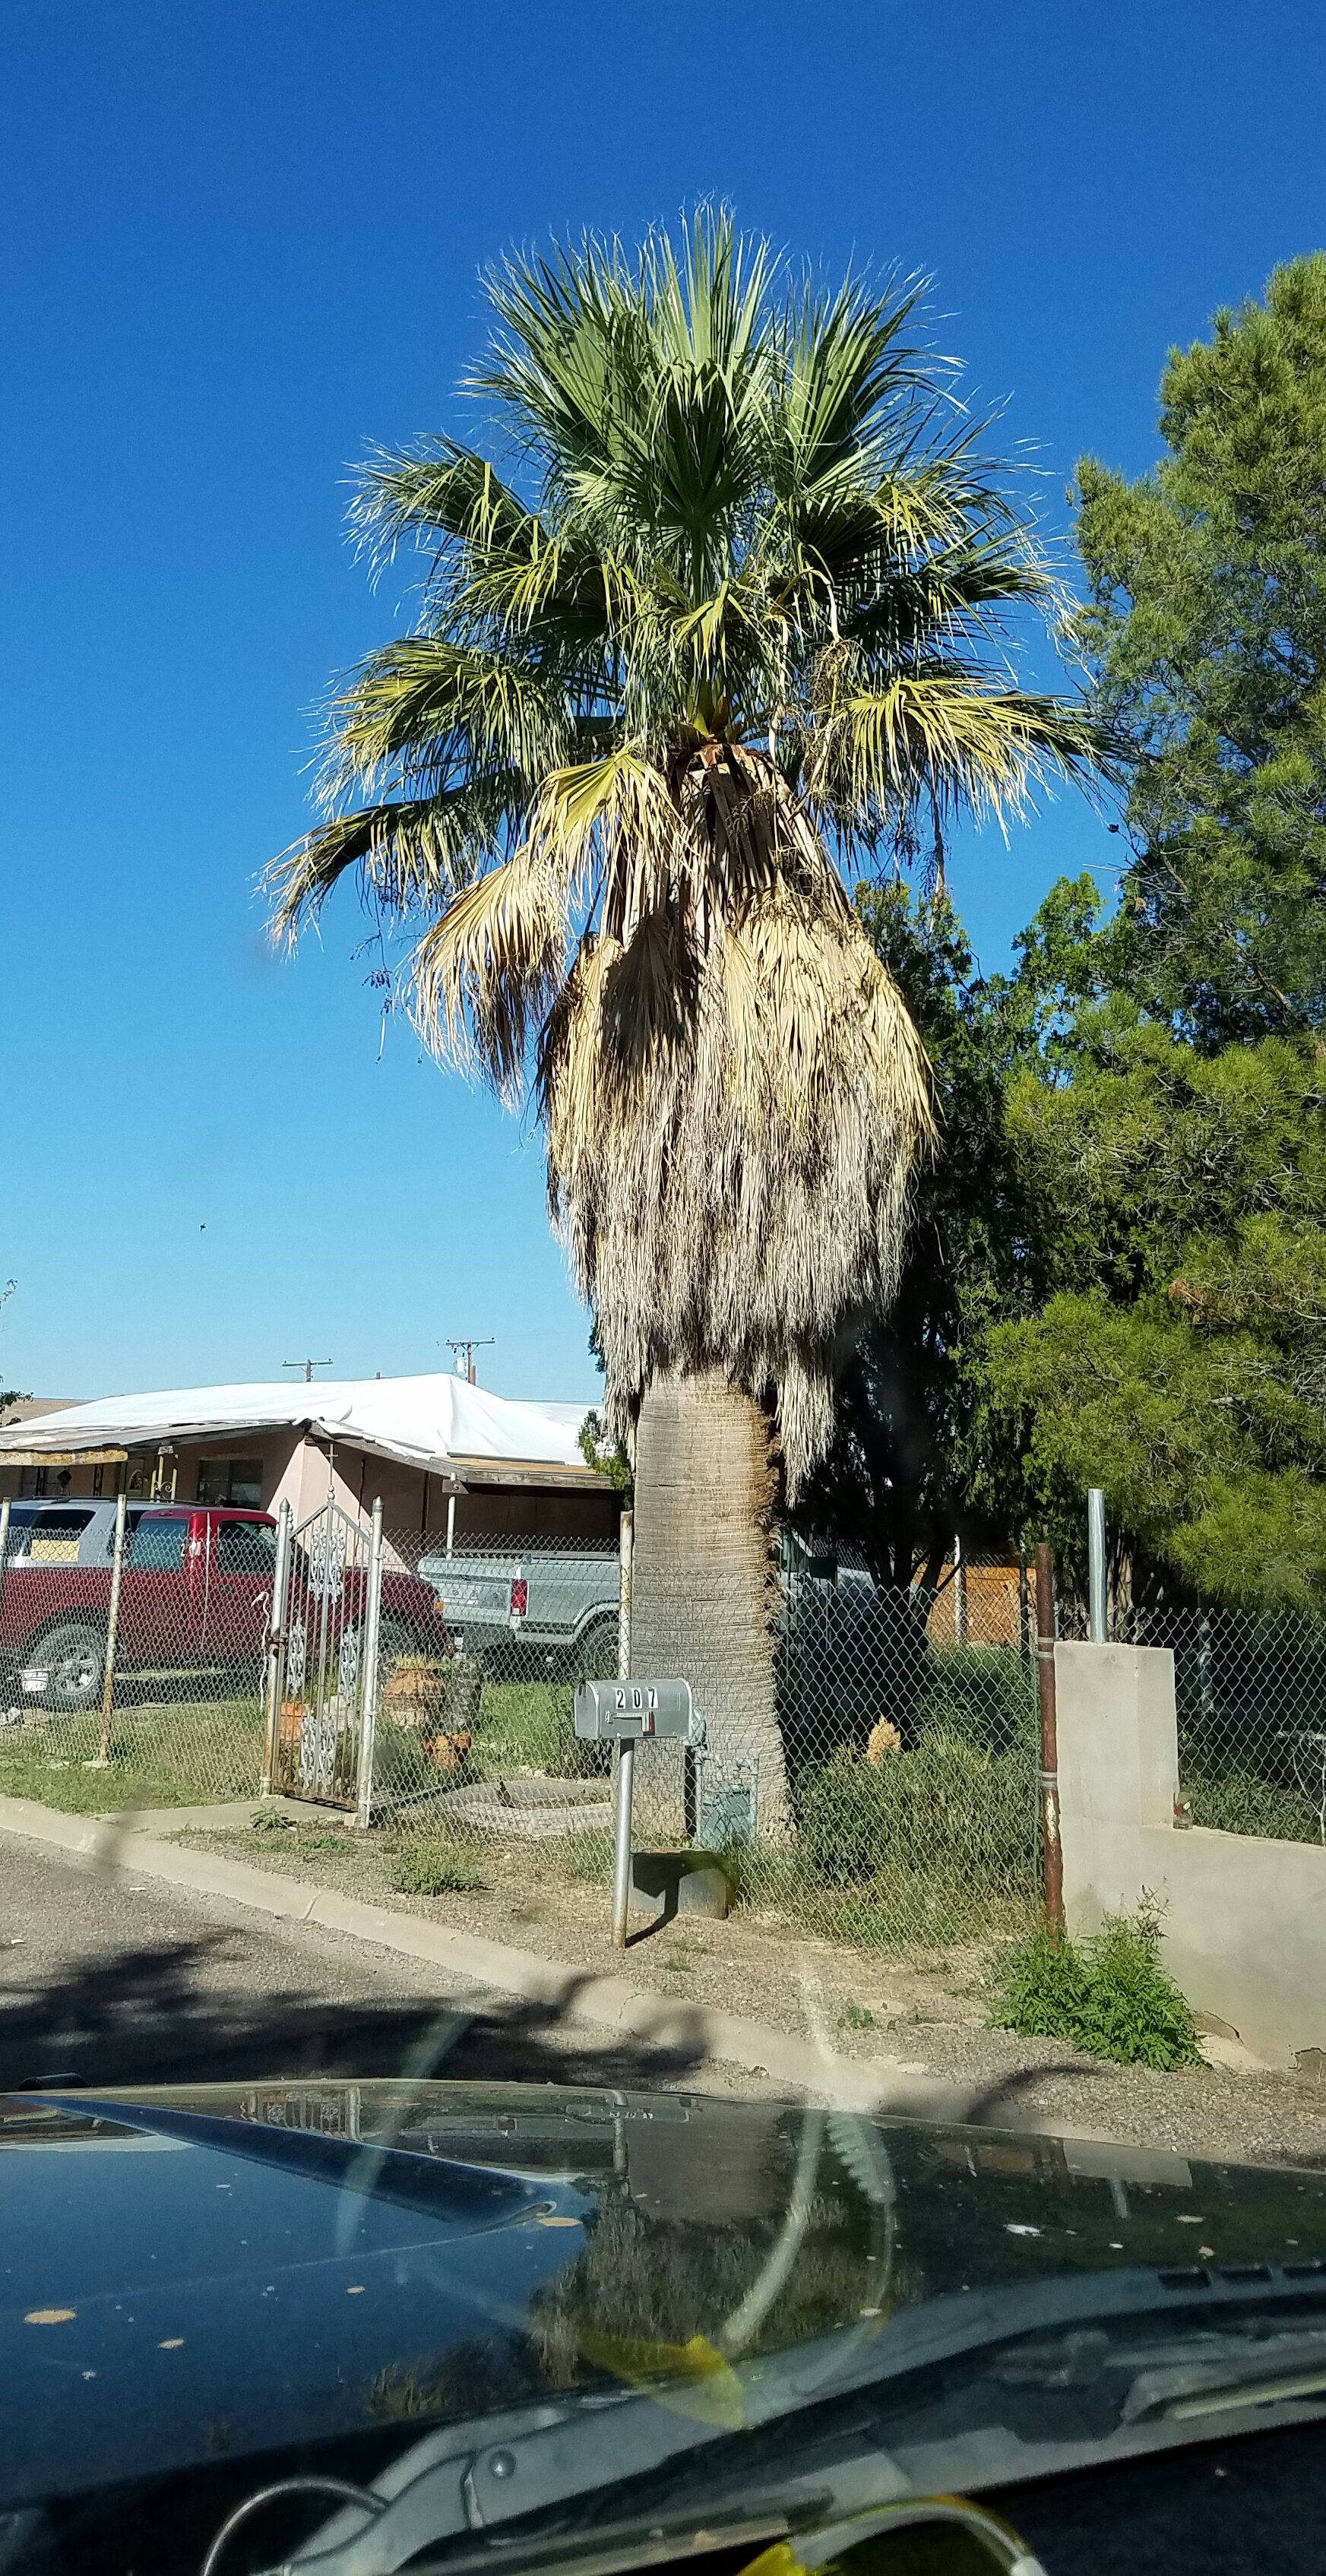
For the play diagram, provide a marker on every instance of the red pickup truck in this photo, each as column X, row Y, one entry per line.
column 195, row 1590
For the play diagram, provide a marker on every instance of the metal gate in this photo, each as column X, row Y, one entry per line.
column 322, row 1658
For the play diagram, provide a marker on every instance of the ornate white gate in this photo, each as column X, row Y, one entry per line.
column 322, row 1660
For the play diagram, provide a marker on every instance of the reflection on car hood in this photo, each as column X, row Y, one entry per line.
column 224, row 2270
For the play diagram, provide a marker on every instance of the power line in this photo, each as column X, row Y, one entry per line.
column 308, row 1367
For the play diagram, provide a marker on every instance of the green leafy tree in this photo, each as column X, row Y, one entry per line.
column 606, row 1456
column 721, row 632
column 1166, row 1121
column 1206, row 632
column 1176, row 1262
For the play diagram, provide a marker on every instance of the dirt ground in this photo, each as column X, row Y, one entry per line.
column 919, row 2011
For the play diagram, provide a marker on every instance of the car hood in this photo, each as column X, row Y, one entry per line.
column 229, row 2270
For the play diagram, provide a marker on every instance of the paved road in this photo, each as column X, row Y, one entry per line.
column 117, row 1979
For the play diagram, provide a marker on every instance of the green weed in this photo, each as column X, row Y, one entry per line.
column 949, row 1809
column 1109, row 1996
column 432, row 1867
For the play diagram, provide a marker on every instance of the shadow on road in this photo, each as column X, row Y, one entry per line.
column 166, row 2013
column 179, row 2011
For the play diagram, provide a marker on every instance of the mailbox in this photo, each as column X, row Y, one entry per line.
column 624, row 1712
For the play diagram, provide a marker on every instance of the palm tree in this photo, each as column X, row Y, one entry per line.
column 718, row 638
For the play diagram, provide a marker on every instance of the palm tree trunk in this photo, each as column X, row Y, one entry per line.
column 704, row 1589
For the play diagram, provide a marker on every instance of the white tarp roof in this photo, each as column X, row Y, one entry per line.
column 422, row 1421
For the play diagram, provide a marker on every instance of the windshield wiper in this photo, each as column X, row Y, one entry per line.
column 955, row 2392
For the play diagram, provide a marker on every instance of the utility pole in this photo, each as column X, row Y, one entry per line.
column 469, row 1345
column 308, row 1367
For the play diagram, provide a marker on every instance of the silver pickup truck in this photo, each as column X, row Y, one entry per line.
column 531, row 1611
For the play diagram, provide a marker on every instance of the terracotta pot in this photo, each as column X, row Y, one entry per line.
column 447, row 1751
column 290, row 1721
column 412, row 1698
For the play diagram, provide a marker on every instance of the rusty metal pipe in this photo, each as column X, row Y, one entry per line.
column 1052, row 1858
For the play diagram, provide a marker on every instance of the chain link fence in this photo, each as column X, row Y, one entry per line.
column 869, row 1769
column 174, row 1716
column 1250, row 1694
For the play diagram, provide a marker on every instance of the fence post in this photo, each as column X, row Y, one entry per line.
column 625, row 1557
column 368, row 1700
column 1098, row 1622
column 112, row 1633
column 959, row 1592
column 4, row 1542
column 276, row 1650
column 1052, row 1862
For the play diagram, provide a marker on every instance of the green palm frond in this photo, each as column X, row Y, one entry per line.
column 940, row 729
column 428, row 708
column 410, row 855
column 439, row 490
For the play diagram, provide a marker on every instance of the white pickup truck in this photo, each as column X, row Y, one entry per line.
column 531, row 1611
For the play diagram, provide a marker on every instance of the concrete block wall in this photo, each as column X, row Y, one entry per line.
column 1245, row 1918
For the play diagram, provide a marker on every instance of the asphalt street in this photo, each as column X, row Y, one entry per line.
column 112, row 1978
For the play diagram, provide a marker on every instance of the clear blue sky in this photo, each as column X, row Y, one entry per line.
column 242, row 241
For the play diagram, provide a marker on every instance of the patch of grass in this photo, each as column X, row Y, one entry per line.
column 1241, row 1803
column 900, row 1910
column 524, row 1726
column 313, row 1846
column 1109, row 1996
column 895, row 1906
column 588, row 1857
column 430, row 1866
column 856, row 2016
column 949, row 1810
column 163, row 1754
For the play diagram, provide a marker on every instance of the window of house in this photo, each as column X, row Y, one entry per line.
column 237, row 1481
column 32, row 1481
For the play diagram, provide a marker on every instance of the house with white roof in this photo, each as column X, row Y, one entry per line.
column 448, row 1459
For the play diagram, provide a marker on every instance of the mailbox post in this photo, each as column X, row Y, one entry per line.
column 624, row 1713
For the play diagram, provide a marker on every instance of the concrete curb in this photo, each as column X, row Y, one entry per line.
column 604, row 2002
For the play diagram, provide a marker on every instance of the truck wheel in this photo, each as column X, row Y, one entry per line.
column 594, row 1655
column 73, row 1659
